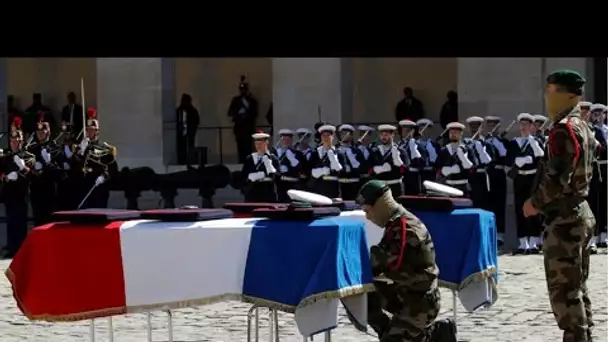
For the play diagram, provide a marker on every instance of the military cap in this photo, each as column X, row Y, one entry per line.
column 585, row 104
column 260, row 135
column 345, row 127
column 365, row 128
column 387, row 128
column 303, row 131
column 455, row 125
column 474, row 119
column 371, row 191
column 570, row 79
column 286, row 131
column 525, row 116
column 493, row 118
column 540, row 118
column 407, row 123
column 597, row 107
column 327, row 128
column 425, row 122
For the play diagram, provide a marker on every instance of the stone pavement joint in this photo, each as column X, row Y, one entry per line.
column 522, row 314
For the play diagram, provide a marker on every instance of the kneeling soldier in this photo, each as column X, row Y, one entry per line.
column 405, row 272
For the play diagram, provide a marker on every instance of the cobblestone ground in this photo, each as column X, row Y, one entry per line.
column 521, row 314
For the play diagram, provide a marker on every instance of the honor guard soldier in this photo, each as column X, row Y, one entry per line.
column 97, row 160
column 325, row 164
column 539, row 129
column 478, row 154
column 289, row 165
column 428, row 148
column 585, row 107
column 453, row 161
column 16, row 170
column 43, row 183
column 351, row 160
column 524, row 154
column 260, row 169
column 598, row 188
column 364, row 143
column 69, row 176
column 412, row 183
column 496, row 171
column 305, row 135
column 387, row 160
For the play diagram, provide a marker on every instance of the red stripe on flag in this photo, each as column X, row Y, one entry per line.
column 68, row 272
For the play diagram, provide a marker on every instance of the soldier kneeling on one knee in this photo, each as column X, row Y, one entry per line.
column 405, row 273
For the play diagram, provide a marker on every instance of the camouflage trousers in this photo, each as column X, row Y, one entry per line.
column 566, row 261
column 413, row 313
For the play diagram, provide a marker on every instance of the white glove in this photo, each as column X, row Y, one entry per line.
column 67, row 151
column 292, row 158
column 432, row 152
column 538, row 151
column 100, row 180
column 414, row 153
column 19, row 162
column 268, row 165
column 446, row 170
column 396, row 157
column 320, row 172
column 455, row 168
column 521, row 161
column 46, row 156
column 256, row 176
column 483, row 154
column 352, row 159
column 502, row 151
column 66, row 166
column 12, row 176
column 283, row 169
column 83, row 146
column 38, row 166
column 466, row 163
column 334, row 164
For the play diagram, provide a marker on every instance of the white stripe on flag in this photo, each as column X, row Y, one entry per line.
column 173, row 262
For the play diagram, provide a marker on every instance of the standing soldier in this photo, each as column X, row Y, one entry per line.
column 259, row 171
column 585, row 106
column 289, row 165
column 303, row 146
column 496, row 173
column 412, row 183
column 597, row 190
column 478, row 154
column 351, row 160
column 428, row 149
column 525, row 154
column 387, row 160
column 17, row 168
column 44, row 181
column 453, row 161
column 539, row 130
column 560, row 196
column 69, row 177
column 97, row 160
column 325, row 165
column 365, row 146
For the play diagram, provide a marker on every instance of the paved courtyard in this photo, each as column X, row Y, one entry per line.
column 521, row 314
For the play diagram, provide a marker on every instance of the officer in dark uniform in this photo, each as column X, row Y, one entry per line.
column 351, row 158
column 453, row 161
column 97, row 160
column 260, row 170
column 497, row 144
column 387, row 160
column 428, row 149
column 16, row 170
column 290, row 164
column 43, row 183
column 478, row 154
column 597, row 189
column 365, row 145
column 524, row 155
column 305, row 135
column 325, row 164
column 412, row 181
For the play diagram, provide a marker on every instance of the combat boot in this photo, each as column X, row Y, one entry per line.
column 444, row 330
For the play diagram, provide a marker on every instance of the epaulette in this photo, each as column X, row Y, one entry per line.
column 112, row 148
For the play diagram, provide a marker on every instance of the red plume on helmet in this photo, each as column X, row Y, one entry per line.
column 17, row 121
column 92, row 113
column 40, row 116
column 260, row 131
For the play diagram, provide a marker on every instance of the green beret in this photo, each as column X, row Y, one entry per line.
column 371, row 191
column 572, row 80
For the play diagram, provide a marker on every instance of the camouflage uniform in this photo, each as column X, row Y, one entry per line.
column 560, row 198
column 406, row 257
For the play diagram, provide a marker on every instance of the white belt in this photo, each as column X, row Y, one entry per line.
column 289, row 179
column 499, row 167
column 429, row 168
column 414, row 169
column 348, row 180
column 602, row 162
column 265, row 179
column 457, row 182
column 329, row 178
column 393, row 181
column 480, row 170
column 526, row 172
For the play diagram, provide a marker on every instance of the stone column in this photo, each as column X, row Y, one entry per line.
column 134, row 97
column 303, row 85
